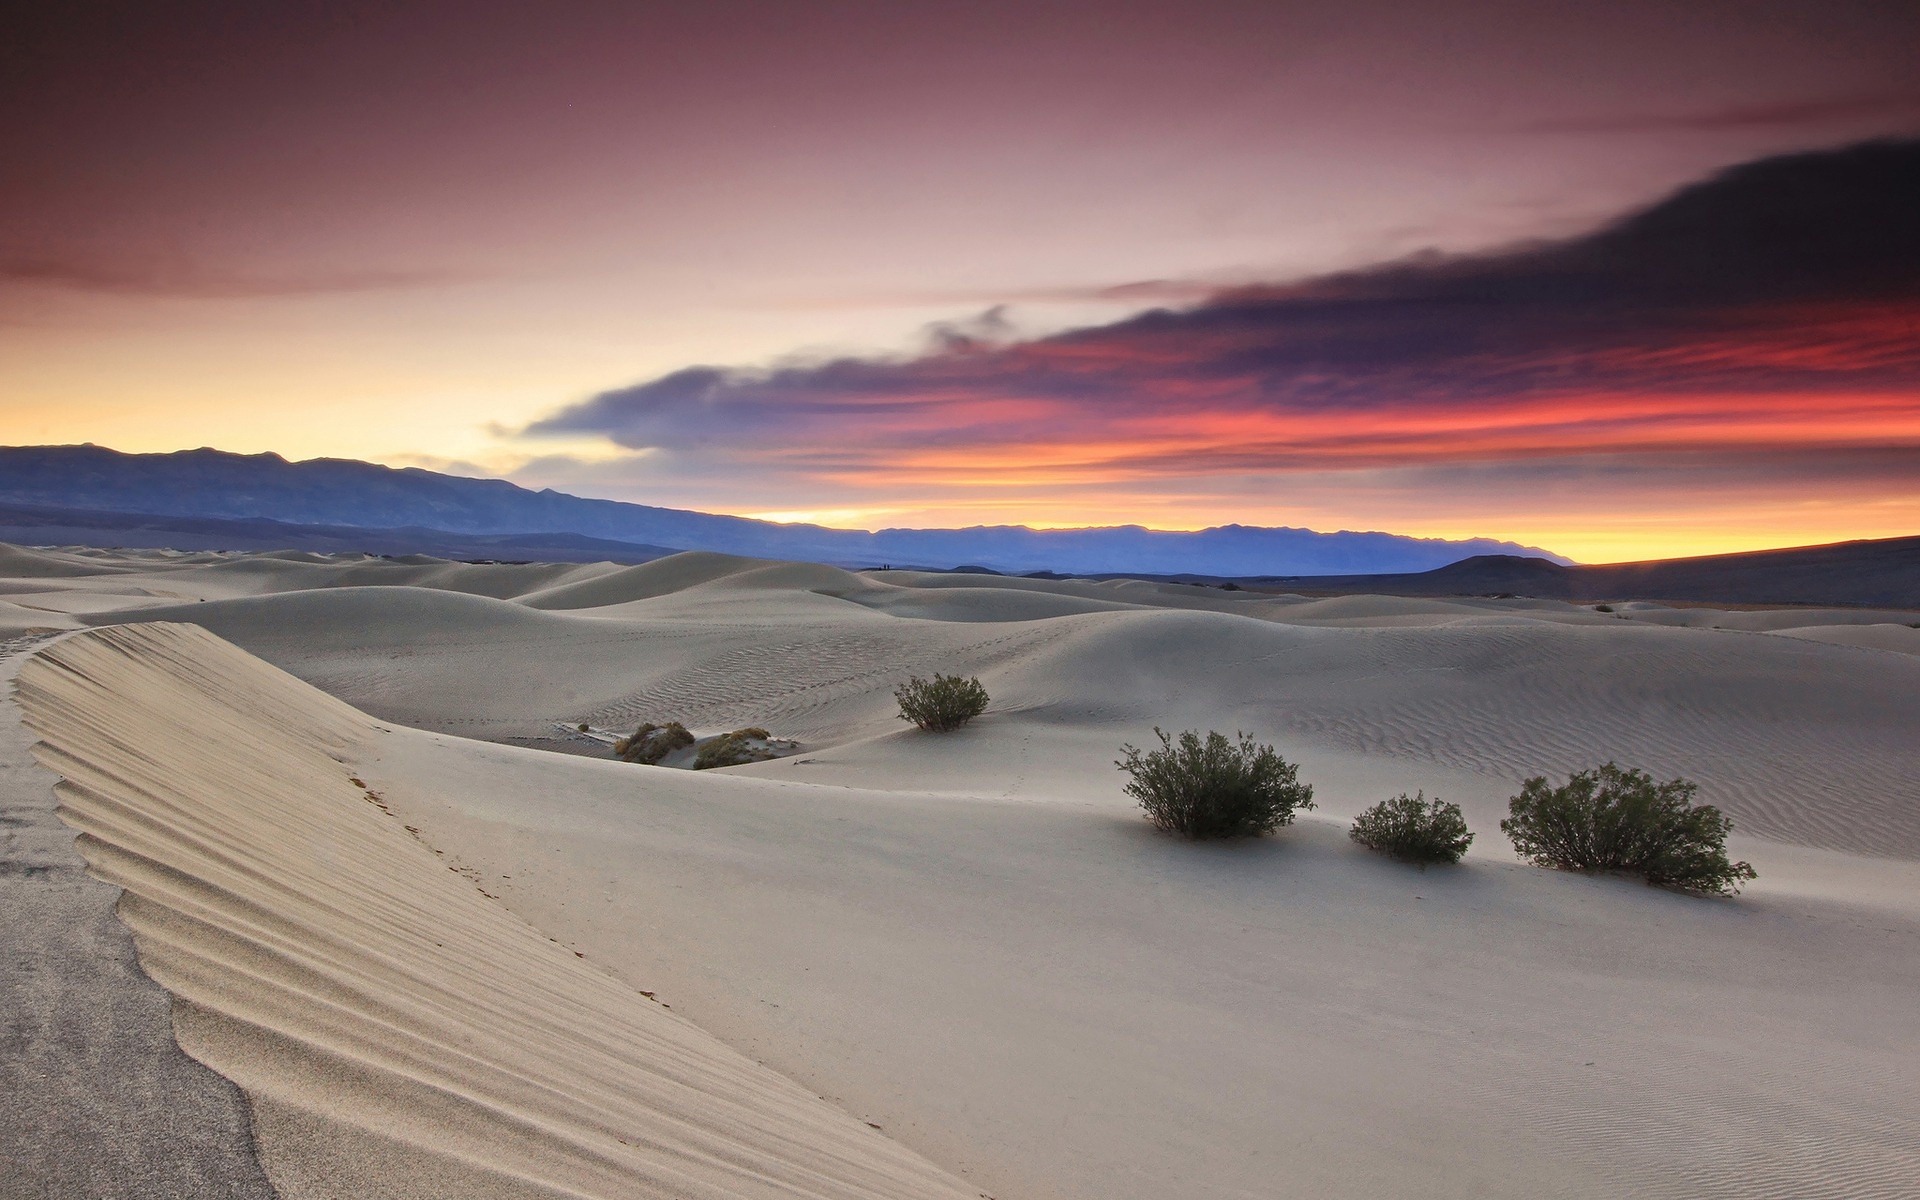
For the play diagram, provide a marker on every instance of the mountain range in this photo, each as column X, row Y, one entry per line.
column 411, row 503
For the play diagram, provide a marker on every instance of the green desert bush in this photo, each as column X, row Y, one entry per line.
column 941, row 703
column 733, row 749
column 1616, row 818
column 650, row 743
column 1212, row 787
column 1414, row 829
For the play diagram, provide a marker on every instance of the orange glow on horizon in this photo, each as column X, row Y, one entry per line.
column 1634, row 528
column 1538, row 427
column 951, row 452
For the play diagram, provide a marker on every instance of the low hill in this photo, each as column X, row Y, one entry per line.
column 1884, row 573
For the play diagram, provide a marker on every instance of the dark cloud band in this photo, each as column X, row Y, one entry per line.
column 1777, row 301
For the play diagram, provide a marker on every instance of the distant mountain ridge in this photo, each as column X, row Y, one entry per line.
column 216, row 484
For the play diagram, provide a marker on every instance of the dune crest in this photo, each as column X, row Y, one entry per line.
column 396, row 1030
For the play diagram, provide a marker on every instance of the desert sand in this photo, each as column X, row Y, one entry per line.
column 972, row 941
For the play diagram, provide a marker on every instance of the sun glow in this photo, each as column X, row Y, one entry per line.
column 837, row 518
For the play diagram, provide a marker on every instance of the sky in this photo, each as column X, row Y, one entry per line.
column 1616, row 280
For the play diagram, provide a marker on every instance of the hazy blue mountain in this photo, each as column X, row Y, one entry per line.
column 345, row 492
column 32, row 525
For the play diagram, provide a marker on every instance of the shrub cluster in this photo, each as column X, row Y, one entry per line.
column 942, row 703
column 1212, row 787
column 732, row 749
column 650, row 743
column 1616, row 818
column 1414, row 829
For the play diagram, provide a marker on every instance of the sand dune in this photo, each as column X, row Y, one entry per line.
column 97, row 1100
column 18, row 619
column 397, row 1032
column 973, row 941
column 1387, row 688
column 1067, row 1005
column 1901, row 639
column 21, row 562
column 627, row 584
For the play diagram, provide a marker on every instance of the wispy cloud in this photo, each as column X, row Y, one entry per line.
column 1132, row 292
column 1769, row 115
column 165, row 278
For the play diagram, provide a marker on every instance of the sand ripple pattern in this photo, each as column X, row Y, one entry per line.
column 1793, row 748
column 807, row 682
column 397, row 1031
column 1775, row 1133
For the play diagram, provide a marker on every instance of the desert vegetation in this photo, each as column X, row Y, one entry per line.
column 653, row 745
column 1414, row 829
column 1213, row 787
column 1617, row 819
column 733, row 749
column 650, row 743
column 942, row 703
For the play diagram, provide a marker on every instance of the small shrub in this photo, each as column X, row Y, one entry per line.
column 582, row 727
column 733, row 749
column 650, row 743
column 942, row 703
column 1606, row 608
column 1214, row 788
column 1616, row 818
column 1414, row 829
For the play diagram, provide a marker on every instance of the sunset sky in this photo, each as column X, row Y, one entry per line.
column 1618, row 280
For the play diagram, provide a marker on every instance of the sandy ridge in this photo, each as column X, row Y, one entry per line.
column 397, row 1032
column 96, row 1098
